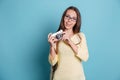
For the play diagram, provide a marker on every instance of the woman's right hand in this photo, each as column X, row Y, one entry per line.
column 52, row 40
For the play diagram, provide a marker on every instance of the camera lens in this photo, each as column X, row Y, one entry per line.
column 59, row 36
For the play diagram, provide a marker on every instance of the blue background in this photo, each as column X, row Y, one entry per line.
column 24, row 25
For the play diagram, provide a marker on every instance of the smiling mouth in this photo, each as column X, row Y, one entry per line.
column 67, row 24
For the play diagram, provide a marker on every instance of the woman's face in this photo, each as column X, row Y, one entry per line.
column 70, row 19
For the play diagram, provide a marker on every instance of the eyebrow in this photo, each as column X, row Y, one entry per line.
column 70, row 16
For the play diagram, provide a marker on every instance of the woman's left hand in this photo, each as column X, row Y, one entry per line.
column 66, row 38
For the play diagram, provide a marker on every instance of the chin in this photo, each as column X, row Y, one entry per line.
column 68, row 27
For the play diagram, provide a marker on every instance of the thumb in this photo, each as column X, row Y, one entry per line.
column 49, row 35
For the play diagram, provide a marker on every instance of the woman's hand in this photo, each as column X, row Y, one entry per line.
column 52, row 40
column 66, row 38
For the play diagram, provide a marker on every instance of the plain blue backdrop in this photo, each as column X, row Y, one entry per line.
column 25, row 24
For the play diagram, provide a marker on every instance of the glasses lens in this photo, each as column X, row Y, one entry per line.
column 71, row 18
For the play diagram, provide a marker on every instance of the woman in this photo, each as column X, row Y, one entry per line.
column 66, row 55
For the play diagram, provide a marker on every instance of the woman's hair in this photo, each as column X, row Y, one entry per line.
column 77, row 26
column 76, row 29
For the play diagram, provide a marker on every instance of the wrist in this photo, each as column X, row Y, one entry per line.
column 69, row 42
column 53, row 46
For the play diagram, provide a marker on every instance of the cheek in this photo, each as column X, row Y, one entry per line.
column 74, row 23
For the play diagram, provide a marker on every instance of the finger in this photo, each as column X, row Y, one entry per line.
column 63, row 33
column 50, row 39
column 56, row 40
column 63, row 38
column 49, row 35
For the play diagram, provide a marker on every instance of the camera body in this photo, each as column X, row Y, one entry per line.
column 58, row 34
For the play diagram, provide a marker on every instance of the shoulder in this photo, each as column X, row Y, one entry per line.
column 81, row 34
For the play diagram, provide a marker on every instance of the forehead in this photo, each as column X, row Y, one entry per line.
column 72, row 13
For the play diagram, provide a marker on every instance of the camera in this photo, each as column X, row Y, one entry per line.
column 58, row 34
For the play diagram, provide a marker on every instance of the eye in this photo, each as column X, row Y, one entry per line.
column 74, row 18
column 67, row 16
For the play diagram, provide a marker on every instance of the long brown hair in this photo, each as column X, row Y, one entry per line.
column 77, row 26
column 76, row 29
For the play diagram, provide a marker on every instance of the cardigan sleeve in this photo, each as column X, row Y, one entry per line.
column 52, row 60
column 82, row 48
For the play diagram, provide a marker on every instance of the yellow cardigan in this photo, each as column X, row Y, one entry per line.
column 70, row 63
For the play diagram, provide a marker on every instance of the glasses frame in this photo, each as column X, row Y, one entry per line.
column 68, row 17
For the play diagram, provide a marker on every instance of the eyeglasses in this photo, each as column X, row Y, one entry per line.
column 68, row 17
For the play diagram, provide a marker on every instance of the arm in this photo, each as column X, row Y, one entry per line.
column 53, row 58
column 52, row 55
column 81, row 50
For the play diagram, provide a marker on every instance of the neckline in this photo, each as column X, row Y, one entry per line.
column 73, row 35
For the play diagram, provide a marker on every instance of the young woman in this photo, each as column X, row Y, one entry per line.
column 66, row 55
